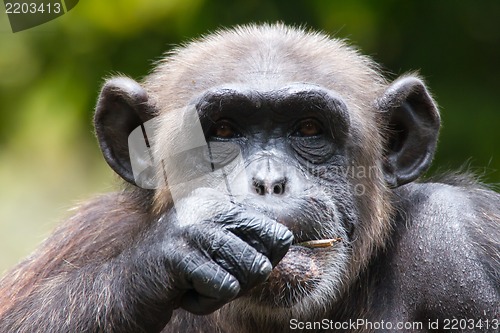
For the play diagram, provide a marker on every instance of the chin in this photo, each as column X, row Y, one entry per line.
column 304, row 284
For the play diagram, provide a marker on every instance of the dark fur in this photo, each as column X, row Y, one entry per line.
column 418, row 251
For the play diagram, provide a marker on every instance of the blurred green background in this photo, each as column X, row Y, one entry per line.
column 50, row 77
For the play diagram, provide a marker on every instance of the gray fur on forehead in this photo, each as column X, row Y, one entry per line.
column 263, row 57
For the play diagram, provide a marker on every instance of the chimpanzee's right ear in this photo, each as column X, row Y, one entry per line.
column 122, row 107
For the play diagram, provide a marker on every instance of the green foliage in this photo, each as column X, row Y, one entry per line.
column 50, row 76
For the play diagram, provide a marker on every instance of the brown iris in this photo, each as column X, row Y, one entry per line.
column 308, row 127
column 224, row 130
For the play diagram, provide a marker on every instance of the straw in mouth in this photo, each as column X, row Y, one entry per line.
column 317, row 243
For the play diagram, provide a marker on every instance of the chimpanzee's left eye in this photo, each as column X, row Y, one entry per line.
column 307, row 128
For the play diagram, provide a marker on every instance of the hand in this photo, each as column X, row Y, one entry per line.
column 216, row 250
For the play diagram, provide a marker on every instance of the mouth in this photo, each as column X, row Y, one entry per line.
column 297, row 274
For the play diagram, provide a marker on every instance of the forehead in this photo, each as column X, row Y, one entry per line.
column 265, row 58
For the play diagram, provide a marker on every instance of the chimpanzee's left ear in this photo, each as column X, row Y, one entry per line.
column 413, row 122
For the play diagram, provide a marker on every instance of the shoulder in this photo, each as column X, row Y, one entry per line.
column 448, row 200
column 446, row 239
column 448, row 216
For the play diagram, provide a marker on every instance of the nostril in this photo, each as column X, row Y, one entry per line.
column 259, row 189
column 279, row 188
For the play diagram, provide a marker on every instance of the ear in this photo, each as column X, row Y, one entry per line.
column 122, row 107
column 413, row 123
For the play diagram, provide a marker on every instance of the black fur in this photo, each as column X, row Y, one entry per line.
column 331, row 149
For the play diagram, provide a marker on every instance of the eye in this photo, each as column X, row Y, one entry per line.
column 307, row 128
column 223, row 130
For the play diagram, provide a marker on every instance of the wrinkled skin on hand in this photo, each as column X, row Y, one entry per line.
column 217, row 249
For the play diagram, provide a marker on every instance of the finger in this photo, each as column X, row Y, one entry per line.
column 241, row 260
column 210, row 288
column 265, row 235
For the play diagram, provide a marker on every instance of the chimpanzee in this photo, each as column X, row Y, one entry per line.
column 273, row 186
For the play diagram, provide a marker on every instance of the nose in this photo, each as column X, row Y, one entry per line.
column 268, row 176
column 269, row 186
